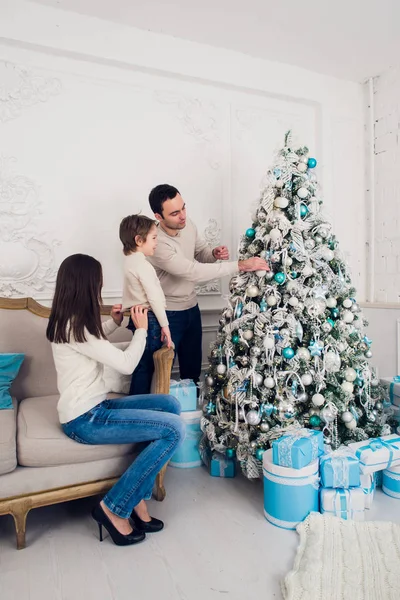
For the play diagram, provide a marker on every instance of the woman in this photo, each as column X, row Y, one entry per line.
column 80, row 351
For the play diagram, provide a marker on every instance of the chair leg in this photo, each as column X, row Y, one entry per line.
column 160, row 492
column 19, row 515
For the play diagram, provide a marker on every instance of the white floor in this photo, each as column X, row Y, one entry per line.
column 216, row 544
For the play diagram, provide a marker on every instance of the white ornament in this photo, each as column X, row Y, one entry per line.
column 327, row 254
column 293, row 301
column 342, row 346
column 347, row 387
column 281, row 202
column 269, row 382
column 248, row 334
column 228, row 314
column 269, row 343
column 279, row 183
column 350, row 374
column 302, row 193
column 258, row 379
column 347, row 316
column 288, row 261
column 307, row 379
column 351, row 424
column 275, row 235
column 331, row 302
column 253, row 417
column 302, row 167
column 323, row 232
column 304, row 159
column 307, row 271
column 309, row 244
column 347, row 303
column 327, row 414
column 264, row 427
column 221, row 369
column 332, row 362
column 346, row 416
column 318, row 399
column 271, row 300
column 252, row 291
column 303, row 353
column 260, row 273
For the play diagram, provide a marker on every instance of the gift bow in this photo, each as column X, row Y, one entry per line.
column 378, row 444
column 340, row 466
column 184, row 384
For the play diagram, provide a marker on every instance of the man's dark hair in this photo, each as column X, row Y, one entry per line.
column 159, row 195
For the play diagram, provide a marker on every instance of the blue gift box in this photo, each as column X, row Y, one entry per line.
column 340, row 469
column 298, row 449
column 393, row 386
column 289, row 494
column 221, row 466
column 391, row 482
column 188, row 453
column 186, row 392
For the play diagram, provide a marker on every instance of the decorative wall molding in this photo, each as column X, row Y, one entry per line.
column 212, row 235
column 249, row 119
column 200, row 119
column 21, row 88
column 26, row 255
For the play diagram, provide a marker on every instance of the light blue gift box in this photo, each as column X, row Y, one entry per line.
column 221, row 466
column 391, row 482
column 393, row 386
column 290, row 495
column 298, row 449
column 186, row 392
column 188, row 453
column 339, row 469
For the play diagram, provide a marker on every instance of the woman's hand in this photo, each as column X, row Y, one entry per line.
column 117, row 314
column 139, row 317
column 166, row 336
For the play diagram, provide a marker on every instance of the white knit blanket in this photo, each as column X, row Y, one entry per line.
column 345, row 560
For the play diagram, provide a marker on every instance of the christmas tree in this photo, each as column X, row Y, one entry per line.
column 291, row 349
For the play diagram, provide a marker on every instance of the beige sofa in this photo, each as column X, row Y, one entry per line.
column 39, row 465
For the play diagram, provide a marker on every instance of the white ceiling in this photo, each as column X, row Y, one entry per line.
column 350, row 39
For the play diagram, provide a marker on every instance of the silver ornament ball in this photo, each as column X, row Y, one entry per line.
column 264, row 426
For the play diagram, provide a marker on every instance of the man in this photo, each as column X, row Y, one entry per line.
column 182, row 260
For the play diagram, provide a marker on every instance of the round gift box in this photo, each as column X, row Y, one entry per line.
column 391, row 482
column 188, row 454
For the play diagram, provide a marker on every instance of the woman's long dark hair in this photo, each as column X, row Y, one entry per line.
column 77, row 300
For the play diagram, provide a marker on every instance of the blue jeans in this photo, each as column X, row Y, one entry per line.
column 149, row 418
column 143, row 374
column 186, row 333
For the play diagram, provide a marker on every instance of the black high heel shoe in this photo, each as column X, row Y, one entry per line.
column 147, row 526
column 118, row 538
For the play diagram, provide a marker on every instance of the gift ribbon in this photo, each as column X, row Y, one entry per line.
column 185, row 384
column 342, row 504
column 222, row 464
column 285, row 446
column 378, row 444
column 340, row 466
column 396, row 379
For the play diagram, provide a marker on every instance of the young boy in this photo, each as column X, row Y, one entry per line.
column 138, row 235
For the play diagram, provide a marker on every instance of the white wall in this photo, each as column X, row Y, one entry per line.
column 93, row 114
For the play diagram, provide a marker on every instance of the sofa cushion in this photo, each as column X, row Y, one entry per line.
column 8, row 431
column 26, row 480
column 42, row 443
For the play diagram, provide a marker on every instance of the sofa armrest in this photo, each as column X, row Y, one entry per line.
column 163, row 360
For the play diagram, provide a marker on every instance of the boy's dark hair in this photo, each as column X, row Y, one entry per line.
column 132, row 226
column 159, row 195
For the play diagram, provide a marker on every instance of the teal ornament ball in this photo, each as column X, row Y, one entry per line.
column 303, row 210
column 359, row 381
column 294, row 274
column 260, row 453
column 280, row 277
column 312, row 163
column 335, row 313
column 288, row 353
column 230, row 452
column 315, row 421
column 263, row 305
column 235, row 339
column 250, row 233
column 331, row 322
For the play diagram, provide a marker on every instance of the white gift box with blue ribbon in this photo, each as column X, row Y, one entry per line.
column 290, row 495
column 298, row 449
column 391, row 482
column 221, row 466
column 340, row 469
column 368, row 486
column 393, row 386
column 346, row 504
column 188, row 453
column 185, row 391
column 378, row 453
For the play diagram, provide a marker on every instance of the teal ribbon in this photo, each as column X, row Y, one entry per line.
column 378, row 444
column 344, row 508
column 396, row 379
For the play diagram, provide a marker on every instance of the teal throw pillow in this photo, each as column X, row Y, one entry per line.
column 9, row 367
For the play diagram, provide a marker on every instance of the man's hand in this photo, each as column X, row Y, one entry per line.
column 166, row 336
column 253, row 264
column 221, row 253
column 139, row 317
column 117, row 314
